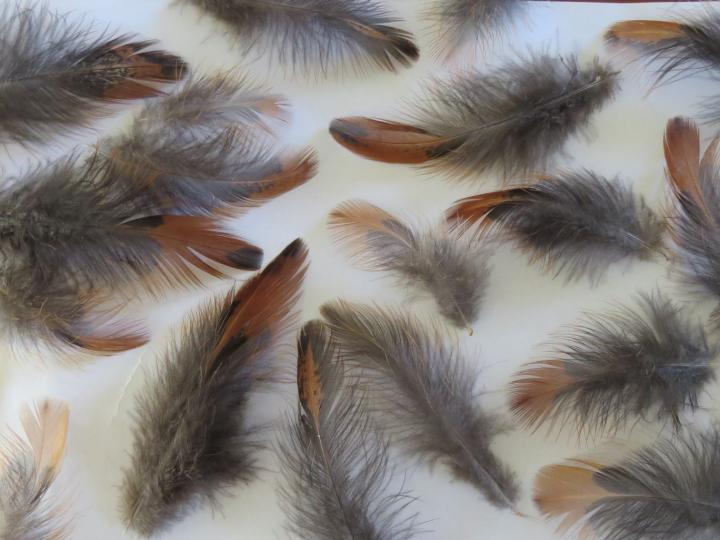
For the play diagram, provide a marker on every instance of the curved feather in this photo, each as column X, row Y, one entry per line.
column 459, row 21
column 29, row 468
column 192, row 438
column 206, row 146
column 575, row 223
column 334, row 460
column 57, row 75
column 665, row 492
column 72, row 234
column 613, row 368
column 329, row 34
column 513, row 119
column 426, row 390
column 447, row 266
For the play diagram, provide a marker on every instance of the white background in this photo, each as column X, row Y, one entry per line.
column 522, row 310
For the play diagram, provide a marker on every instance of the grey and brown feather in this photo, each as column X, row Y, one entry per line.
column 337, row 475
column 426, row 392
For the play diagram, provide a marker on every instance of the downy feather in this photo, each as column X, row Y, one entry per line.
column 57, row 75
column 447, row 266
column 459, row 21
column 334, row 460
column 73, row 233
column 30, row 506
column 207, row 146
column 426, row 392
column 643, row 362
column 695, row 184
column 577, row 224
column 512, row 119
column 324, row 34
column 192, row 437
column 665, row 492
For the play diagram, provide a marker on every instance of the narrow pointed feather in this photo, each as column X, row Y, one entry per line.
column 423, row 386
column 31, row 508
column 636, row 362
column 72, row 234
column 208, row 147
column 57, row 75
column 330, row 35
column 459, row 21
column 577, row 224
column 512, row 119
column 695, row 184
column 334, row 460
column 444, row 265
column 192, row 437
column 665, row 492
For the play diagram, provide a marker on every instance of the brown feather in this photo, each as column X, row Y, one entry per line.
column 292, row 172
column 533, row 391
column 46, row 431
column 682, row 156
column 472, row 210
column 389, row 142
column 644, row 31
column 310, row 387
column 356, row 221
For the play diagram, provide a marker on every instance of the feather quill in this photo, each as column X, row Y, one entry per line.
column 512, row 120
column 460, row 21
column 427, row 391
column 29, row 467
column 574, row 223
column 695, row 184
column 335, row 460
column 329, row 34
column 71, row 233
column 449, row 268
column 192, row 436
column 616, row 367
column 57, row 76
column 665, row 492
column 207, row 148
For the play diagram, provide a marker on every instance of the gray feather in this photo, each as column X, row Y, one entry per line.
column 56, row 75
column 614, row 368
column 447, row 266
column 337, row 472
column 427, row 391
column 329, row 34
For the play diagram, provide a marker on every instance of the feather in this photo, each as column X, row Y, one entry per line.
column 413, row 378
column 460, row 21
column 695, row 183
column 335, row 461
column 71, row 233
column 192, row 437
column 511, row 120
column 577, row 223
column 57, row 75
column 616, row 367
column 29, row 468
column 450, row 269
column 328, row 34
column 665, row 492
column 205, row 147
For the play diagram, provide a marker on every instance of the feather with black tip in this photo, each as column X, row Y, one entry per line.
column 512, row 119
column 460, row 21
column 207, row 147
column 447, row 266
column 329, row 34
column 426, row 392
column 30, row 506
column 192, row 437
column 575, row 223
column 57, row 75
column 74, row 235
column 695, row 184
column 668, row 491
column 334, row 460
column 614, row 368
